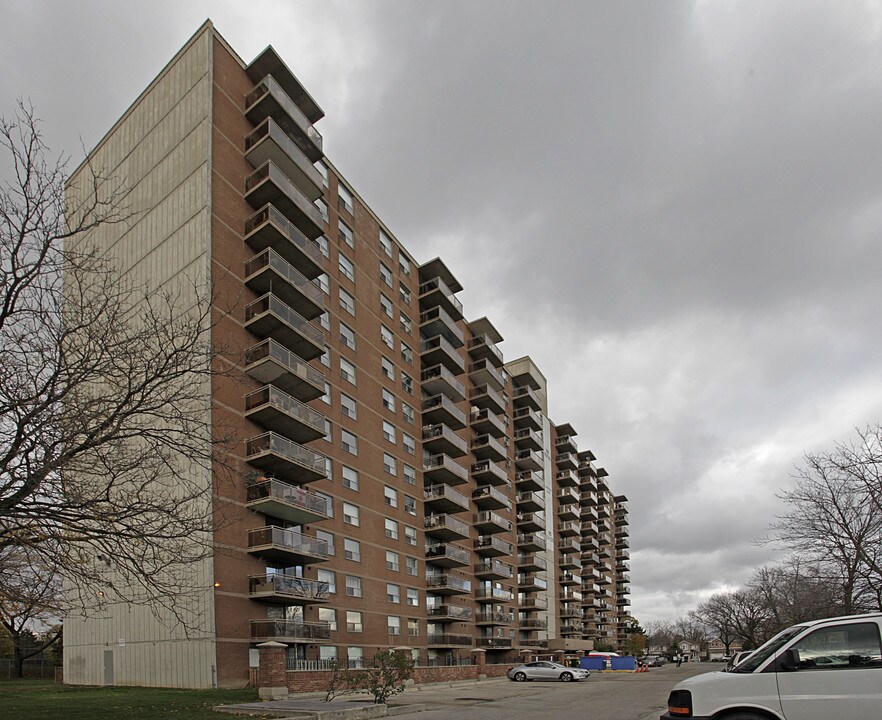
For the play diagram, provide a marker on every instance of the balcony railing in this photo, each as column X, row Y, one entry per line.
column 446, row 468
column 283, row 543
column 437, row 552
column 287, row 587
column 270, row 362
column 438, row 379
column 446, row 498
column 436, row 583
column 492, row 545
column 283, row 457
column 449, row 612
column 268, row 271
column 494, row 567
column 277, row 410
column 287, row 240
column 437, row 284
column 447, row 640
column 489, row 496
column 444, row 406
column 269, row 315
column 268, row 141
column 492, row 593
column 290, row 630
column 441, row 523
column 268, row 184
column 481, row 344
column 494, row 643
column 288, row 502
column 494, row 618
column 269, row 86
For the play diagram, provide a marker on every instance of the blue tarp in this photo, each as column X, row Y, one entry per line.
column 624, row 663
column 593, row 663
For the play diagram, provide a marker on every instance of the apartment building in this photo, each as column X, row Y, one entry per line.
column 397, row 483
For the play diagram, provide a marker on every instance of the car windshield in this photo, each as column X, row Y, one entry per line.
column 766, row 651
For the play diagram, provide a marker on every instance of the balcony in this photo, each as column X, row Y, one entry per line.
column 569, row 528
column 269, row 142
column 589, row 543
column 436, row 640
column 270, row 317
column 269, row 272
column 446, row 527
column 529, row 480
column 286, row 546
column 527, row 397
column 527, row 439
column 528, row 460
column 444, row 469
column 568, row 512
column 488, row 522
column 586, row 497
column 268, row 99
column 268, row 229
column 438, row 379
column 494, row 618
column 566, row 461
column 531, row 582
column 571, row 629
column 531, row 624
column 488, row 497
column 493, row 570
column 285, row 459
column 526, row 417
column 481, row 346
column 487, row 447
column 485, row 421
column 622, row 531
column 277, row 411
column 541, row 644
column 435, row 292
column 571, row 611
column 449, row 613
column 482, row 372
column 532, row 602
column 568, row 561
column 448, row 585
column 441, row 409
column 444, row 499
column 441, row 439
column 287, row 589
column 493, row 594
column 446, row 555
column 287, row 631
column 438, row 351
column 531, row 522
column 527, row 563
column 490, row 546
column 489, row 473
column 494, row 643
column 287, row 502
column 530, row 502
column 623, row 601
column 567, row 478
column 484, row 396
column 270, row 362
column 268, row 184
column 570, row 546
column 437, row 322
column 568, row 579
column 588, row 515
column 568, row 496
column 530, row 542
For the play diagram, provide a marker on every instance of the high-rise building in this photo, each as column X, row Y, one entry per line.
column 396, row 483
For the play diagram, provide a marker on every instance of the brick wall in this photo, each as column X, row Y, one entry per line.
column 317, row 680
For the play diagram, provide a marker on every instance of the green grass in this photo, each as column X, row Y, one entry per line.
column 42, row 700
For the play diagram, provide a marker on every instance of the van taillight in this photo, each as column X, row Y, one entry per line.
column 680, row 703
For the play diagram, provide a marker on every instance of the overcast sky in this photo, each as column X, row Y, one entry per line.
column 674, row 207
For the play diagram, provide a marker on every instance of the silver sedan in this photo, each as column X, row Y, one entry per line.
column 544, row 670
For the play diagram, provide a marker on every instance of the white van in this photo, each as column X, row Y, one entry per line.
column 816, row 670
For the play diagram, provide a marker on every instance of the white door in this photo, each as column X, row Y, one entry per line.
column 839, row 674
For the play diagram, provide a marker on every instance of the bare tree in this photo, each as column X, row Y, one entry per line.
column 717, row 615
column 106, row 451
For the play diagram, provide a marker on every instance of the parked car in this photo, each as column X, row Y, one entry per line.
column 737, row 658
column 544, row 670
column 654, row 660
column 818, row 669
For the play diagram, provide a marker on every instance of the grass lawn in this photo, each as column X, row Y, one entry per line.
column 42, row 700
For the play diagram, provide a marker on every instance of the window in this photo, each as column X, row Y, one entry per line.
column 409, row 505
column 385, row 243
column 329, row 502
column 327, row 652
column 350, row 442
column 390, row 464
column 407, row 354
column 326, row 398
column 328, row 615
column 407, row 383
column 391, row 529
column 352, row 550
column 404, row 294
column 344, row 197
column 385, row 305
column 387, row 337
column 393, row 593
column 325, row 320
column 388, row 400
column 347, row 336
column 350, row 478
column 328, row 538
column 329, row 431
column 353, row 621
column 385, row 275
column 408, row 413
column 347, row 269
column 406, row 324
column 329, row 464
column 353, row 586
column 329, row 577
column 347, row 370
column 322, row 283
column 345, row 233
column 347, row 302
column 387, row 368
column 323, row 208
column 404, row 265
column 388, row 432
column 413, row 597
column 393, row 622
column 409, row 443
column 390, row 496
column 326, row 357
column 410, row 535
column 348, row 406
column 355, row 656
column 413, row 627
column 411, row 566
column 841, row 647
column 323, row 171
column 350, row 514
column 409, row 475
column 392, row 561
column 322, row 242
